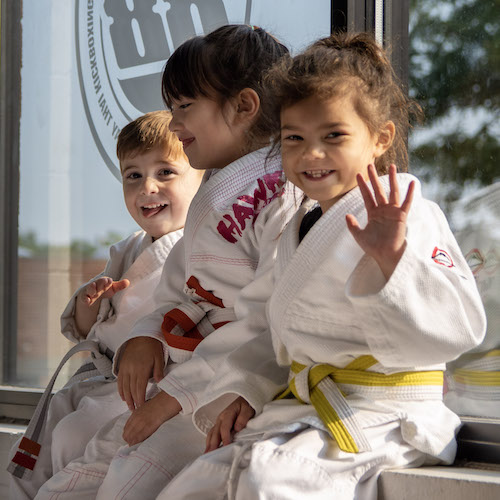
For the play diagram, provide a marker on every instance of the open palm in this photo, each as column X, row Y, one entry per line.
column 383, row 238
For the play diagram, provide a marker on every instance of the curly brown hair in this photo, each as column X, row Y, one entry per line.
column 349, row 64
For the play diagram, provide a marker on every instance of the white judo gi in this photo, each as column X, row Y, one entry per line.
column 331, row 305
column 212, row 278
column 80, row 409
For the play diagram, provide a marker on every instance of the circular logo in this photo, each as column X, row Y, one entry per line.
column 122, row 47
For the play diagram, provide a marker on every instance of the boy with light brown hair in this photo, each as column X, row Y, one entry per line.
column 158, row 185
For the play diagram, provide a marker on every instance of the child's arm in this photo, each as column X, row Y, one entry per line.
column 429, row 311
column 384, row 237
column 89, row 299
column 143, row 353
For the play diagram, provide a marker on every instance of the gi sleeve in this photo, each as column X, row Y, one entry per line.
column 189, row 381
column 430, row 311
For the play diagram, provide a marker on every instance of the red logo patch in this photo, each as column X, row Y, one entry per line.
column 442, row 257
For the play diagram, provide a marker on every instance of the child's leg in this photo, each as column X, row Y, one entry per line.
column 63, row 403
column 304, row 465
column 72, row 434
column 81, row 478
column 143, row 470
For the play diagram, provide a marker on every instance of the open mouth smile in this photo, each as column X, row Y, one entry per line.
column 317, row 174
column 153, row 209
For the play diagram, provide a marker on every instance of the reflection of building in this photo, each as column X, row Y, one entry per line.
column 40, row 350
column 474, row 379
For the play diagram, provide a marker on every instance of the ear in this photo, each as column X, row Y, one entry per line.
column 247, row 104
column 385, row 138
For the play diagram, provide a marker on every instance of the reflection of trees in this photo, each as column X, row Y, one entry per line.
column 455, row 75
column 81, row 249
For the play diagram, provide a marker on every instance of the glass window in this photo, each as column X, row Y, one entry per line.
column 88, row 68
column 454, row 73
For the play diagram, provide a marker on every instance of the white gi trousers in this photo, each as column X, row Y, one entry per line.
column 110, row 469
column 305, row 464
column 74, row 416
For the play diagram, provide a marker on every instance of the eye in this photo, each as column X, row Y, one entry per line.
column 334, row 135
column 133, row 175
column 166, row 172
column 292, row 138
column 185, row 105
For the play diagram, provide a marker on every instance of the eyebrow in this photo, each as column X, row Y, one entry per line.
column 324, row 126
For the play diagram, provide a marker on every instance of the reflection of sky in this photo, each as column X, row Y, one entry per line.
column 66, row 190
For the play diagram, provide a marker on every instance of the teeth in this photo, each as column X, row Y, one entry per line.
column 155, row 205
column 317, row 173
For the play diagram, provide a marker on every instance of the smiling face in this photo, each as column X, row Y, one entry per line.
column 325, row 144
column 158, row 189
column 210, row 135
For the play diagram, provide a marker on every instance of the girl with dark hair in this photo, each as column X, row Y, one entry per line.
column 213, row 291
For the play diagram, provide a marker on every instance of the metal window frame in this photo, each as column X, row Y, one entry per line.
column 10, row 110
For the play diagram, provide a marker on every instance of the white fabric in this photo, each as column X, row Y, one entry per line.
column 232, row 266
column 77, row 412
column 332, row 304
column 145, row 469
column 302, row 464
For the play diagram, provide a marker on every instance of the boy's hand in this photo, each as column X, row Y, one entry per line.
column 231, row 420
column 384, row 237
column 145, row 420
column 89, row 299
column 102, row 288
column 142, row 358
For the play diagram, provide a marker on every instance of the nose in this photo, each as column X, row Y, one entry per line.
column 314, row 152
column 149, row 185
column 175, row 124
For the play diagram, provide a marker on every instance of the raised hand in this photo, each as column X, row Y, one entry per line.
column 384, row 237
column 102, row 288
column 141, row 359
column 89, row 299
column 233, row 419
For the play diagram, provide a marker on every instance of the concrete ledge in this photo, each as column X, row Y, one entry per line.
column 425, row 483
column 440, row 483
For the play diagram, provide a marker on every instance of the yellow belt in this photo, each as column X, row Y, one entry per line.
column 317, row 385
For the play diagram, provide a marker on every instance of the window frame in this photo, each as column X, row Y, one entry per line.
column 10, row 112
column 478, row 439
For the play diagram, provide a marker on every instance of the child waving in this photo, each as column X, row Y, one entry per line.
column 371, row 298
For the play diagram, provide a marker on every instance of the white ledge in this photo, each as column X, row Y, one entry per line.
column 440, row 483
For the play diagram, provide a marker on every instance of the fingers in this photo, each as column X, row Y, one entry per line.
column 247, row 412
column 378, row 190
column 353, row 225
column 95, row 289
column 139, row 390
column 233, row 419
column 213, row 438
column 116, row 286
column 405, row 207
column 127, row 393
column 366, row 193
column 133, row 430
column 393, row 182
